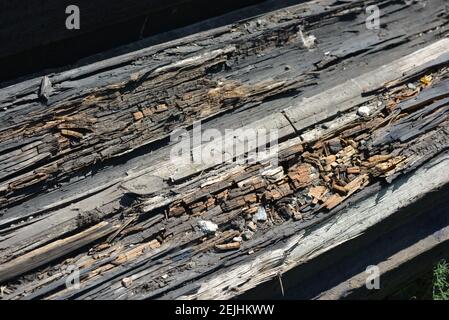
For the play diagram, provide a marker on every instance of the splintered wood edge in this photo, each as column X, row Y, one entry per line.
column 54, row 250
column 340, row 228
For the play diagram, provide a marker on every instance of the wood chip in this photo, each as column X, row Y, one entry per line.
column 136, row 252
column 161, row 108
column 330, row 159
column 228, row 246
column 378, row 158
column 301, row 175
column 176, row 211
column 390, row 164
column 127, row 282
column 338, row 188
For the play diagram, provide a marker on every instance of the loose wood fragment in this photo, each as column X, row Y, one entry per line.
column 228, row 246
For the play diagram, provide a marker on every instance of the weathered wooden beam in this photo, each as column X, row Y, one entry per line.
column 54, row 250
column 188, row 231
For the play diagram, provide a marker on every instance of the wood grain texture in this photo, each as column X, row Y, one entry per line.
column 91, row 145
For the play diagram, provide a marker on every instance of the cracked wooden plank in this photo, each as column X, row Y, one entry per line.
column 321, row 169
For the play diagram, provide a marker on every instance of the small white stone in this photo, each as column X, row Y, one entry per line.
column 364, row 111
column 237, row 239
column 207, row 227
column 261, row 214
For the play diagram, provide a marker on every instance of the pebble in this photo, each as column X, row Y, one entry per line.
column 364, row 111
column 252, row 226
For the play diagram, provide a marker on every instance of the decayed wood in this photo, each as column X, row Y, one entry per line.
column 53, row 250
column 439, row 238
column 342, row 227
column 42, row 27
column 158, row 246
column 350, row 187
